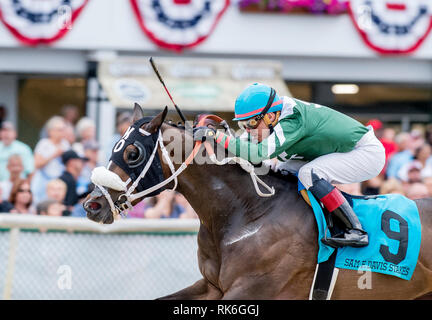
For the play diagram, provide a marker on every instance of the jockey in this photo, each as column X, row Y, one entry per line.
column 323, row 145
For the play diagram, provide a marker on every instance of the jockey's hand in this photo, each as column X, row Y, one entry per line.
column 203, row 133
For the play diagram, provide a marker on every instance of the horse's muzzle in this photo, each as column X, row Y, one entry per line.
column 97, row 208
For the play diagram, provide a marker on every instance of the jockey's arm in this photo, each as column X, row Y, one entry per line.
column 286, row 133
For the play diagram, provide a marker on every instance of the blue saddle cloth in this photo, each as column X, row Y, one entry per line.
column 393, row 224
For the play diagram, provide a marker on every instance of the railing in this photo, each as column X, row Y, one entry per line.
column 74, row 258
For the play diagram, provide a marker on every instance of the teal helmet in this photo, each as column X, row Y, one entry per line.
column 254, row 99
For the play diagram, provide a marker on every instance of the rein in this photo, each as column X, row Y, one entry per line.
column 118, row 208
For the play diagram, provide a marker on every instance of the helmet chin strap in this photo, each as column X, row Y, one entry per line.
column 269, row 123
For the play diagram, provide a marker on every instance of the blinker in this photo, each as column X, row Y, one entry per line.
column 145, row 144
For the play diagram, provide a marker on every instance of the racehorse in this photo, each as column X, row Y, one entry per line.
column 259, row 248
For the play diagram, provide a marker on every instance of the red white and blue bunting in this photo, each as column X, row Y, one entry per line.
column 392, row 27
column 178, row 24
column 36, row 22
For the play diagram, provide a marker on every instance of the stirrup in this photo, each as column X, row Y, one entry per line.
column 357, row 239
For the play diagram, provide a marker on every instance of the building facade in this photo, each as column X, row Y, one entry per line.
column 314, row 51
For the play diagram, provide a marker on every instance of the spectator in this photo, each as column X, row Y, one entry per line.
column 417, row 138
column 377, row 126
column 402, row 157
column 421, row 162
column 413, row 173
column 56, row 190
column 70, row 135
column 91, row 152
column 417, row 191
column 389, row 134
column 70, row 114
column 428, row 182
column 9, row 146
column 423, row 154
column 50, row 208
column 15, row 168
column 85, row 132
column 139, row 210
column 392, row 185
column 188, row 211
column 84, row 184
column 372, row 186
column 386, row 137
column 73, row 166
column 21, row 197
column 5, row 206
column 48, row 157
column 389, row 144
column 163, row 206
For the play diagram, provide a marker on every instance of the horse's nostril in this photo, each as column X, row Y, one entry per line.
column 93, row 206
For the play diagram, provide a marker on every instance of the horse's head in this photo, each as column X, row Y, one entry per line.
column 134, row 167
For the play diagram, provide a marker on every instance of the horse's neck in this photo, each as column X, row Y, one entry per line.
column 225, row 199
column 211, row 192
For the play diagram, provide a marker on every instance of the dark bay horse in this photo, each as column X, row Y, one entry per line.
column 261, row 248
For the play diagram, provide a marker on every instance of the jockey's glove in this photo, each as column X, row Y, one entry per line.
column 203, row 133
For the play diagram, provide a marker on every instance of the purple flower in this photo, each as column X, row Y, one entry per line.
column 314, row 6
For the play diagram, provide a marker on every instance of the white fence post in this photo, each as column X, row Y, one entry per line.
column 13, row 243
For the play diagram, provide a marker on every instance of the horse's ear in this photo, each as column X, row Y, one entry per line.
column 138, row 113
column 157, row 121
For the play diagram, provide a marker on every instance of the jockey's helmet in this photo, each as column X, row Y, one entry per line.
column 254, row 99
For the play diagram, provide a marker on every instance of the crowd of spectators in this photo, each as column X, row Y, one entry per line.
column 54, row 178
column 408, row 168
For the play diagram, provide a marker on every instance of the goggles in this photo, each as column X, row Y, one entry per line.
column 250, row 123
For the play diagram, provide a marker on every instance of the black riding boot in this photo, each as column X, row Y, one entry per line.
column 336, row 204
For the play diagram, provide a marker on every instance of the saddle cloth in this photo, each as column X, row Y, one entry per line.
column 393, row 224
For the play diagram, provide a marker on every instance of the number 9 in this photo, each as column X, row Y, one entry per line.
column 401, row 236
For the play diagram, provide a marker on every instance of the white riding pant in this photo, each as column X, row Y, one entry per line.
column 364, row 162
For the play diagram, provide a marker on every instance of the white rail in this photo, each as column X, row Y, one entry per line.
column 83, row 224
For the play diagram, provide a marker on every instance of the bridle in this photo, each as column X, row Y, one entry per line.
column 125, row 199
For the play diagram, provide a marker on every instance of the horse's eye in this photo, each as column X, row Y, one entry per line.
column 136, row 156
column 133, row 156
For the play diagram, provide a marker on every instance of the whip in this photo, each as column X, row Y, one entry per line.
column 167, row 91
